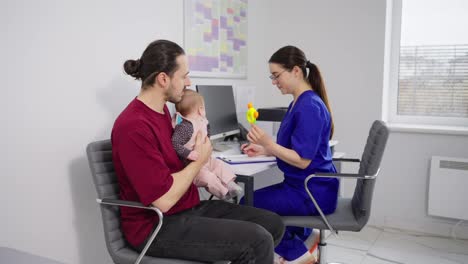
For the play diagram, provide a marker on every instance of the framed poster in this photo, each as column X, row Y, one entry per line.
column 215, row 38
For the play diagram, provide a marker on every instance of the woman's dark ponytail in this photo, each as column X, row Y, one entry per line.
column 316, row 81
column 289, row 57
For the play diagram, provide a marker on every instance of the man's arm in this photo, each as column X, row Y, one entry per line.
column 184, row 178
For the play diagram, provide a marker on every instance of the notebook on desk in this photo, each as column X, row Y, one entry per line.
column 243, row 159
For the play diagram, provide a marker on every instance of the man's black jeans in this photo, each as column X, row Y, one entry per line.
column 218, row 230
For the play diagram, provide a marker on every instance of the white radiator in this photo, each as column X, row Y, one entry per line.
column 448, row 188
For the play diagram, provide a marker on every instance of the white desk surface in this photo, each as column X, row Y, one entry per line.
column 337, row 155
column 247, row 168
column 253, row 168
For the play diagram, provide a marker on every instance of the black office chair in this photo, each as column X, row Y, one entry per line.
column 100, row 162
column 353, row 213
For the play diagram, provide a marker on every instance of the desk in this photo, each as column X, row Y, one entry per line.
column 246, row 172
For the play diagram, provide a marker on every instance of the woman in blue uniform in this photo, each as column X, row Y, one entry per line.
column 301, row 149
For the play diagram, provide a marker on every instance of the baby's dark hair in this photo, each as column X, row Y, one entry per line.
column 159, row 56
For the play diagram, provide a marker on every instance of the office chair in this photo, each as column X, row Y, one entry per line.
column 100, row 162
column 353, row 213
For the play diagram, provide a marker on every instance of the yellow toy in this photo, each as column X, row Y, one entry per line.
column 252, row 114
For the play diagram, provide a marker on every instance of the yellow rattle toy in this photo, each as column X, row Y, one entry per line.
column 252, row 114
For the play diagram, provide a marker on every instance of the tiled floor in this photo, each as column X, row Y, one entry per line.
column 383, row 246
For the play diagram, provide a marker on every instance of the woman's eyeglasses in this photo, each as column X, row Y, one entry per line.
column 275, row 78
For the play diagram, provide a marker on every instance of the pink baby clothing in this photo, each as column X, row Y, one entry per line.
column 215, row 174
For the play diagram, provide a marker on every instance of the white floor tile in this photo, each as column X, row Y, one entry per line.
column 344, row 255
column 433, row 242
column 362, row 240
column 374, row 260
column 374, row 245
column 404, row 248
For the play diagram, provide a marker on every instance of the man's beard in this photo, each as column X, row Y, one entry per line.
column 171, row 97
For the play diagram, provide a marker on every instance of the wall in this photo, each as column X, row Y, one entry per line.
column 402, row 189
column 63, row 86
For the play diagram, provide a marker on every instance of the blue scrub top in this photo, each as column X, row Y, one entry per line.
column 306, row 129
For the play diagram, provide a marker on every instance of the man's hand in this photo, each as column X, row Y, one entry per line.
column 193, row 155
column 184, row 179
column 203, row 147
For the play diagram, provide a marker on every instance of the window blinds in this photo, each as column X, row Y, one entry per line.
column 433, row 81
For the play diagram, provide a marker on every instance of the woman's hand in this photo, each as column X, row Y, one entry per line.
column 257, row 136
column 253, row 149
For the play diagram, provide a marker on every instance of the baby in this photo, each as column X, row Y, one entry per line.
column 215, row 176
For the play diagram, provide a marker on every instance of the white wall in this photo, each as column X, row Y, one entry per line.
column 402, row 189
column 63, row 85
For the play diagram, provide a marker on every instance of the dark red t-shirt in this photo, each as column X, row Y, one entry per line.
column 144, row 160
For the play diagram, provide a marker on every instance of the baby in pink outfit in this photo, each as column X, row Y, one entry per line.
column 215, row 176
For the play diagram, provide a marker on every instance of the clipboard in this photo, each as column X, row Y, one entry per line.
column 244, row 159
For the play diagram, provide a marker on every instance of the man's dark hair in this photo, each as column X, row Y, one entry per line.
column 159, row 56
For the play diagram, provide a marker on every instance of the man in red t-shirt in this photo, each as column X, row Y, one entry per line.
column 149, row 171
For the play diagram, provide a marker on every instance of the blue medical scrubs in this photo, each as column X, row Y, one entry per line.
column 306, row 129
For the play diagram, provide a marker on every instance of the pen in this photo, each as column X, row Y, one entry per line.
column 248, row 144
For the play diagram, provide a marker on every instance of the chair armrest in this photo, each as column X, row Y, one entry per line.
column 346, row 160
column 118, row 202
column 333, row 175
column 324, row 218
column 344, row 175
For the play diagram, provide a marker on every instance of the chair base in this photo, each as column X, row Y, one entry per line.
column 322, row 249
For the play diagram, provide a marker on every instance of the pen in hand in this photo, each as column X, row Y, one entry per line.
column 242, row 148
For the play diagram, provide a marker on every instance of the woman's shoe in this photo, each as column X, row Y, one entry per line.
column 315, row 239
column 307, row 258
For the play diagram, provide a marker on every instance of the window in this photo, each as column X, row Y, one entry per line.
column 428, row 63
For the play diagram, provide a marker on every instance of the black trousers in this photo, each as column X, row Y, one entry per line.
column 218, row 230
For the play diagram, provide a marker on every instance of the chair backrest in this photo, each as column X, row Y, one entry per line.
column 370, row 165
column 105, row 180
column 100, row 162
